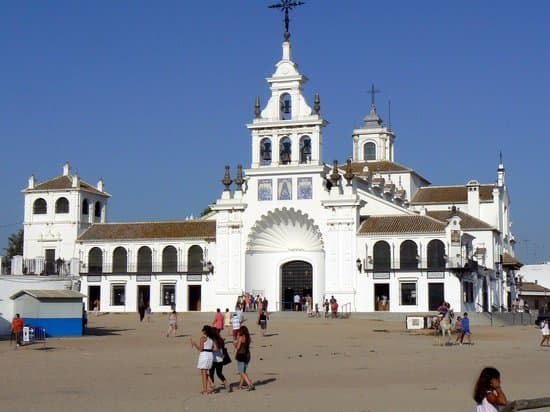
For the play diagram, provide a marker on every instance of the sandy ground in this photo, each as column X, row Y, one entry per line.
column 302, row 365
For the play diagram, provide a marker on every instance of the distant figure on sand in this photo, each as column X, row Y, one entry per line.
column 545, row 330
column 17, row 328
column 148, row 312
column 218, row 320
column 227, row 319
column 172, row 324
column 488, row 394
column 466, row 329
column 262, row 321
column 334, row 308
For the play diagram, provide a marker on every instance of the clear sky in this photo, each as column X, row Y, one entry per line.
column 154, row 96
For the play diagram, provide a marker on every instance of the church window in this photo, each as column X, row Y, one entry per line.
column 305, row 149
column 40, row 207
column 95, row 260
column 381, row 257
column 265, row 152
column 286, row 107
column 85, row 207
column 285, row 150
column 408, row 255
column 195, row 259
column 97, row 209
column 369, row 151
column 118, row 295
column 144, row 260
column 62, row 205
column 436, row 255
column 284, row 189
column 170, row 259
column 120, row 260
column 408, row 293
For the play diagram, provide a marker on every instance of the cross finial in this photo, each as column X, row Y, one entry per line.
column 286, row 6
column 372, row 92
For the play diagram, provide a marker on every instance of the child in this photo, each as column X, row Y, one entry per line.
column 458, row 329
column 545, row 330
column 488, row 394
column 317, row 314
column 262, row 321
column 466, row 329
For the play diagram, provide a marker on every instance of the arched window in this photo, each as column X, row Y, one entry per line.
column 170, row 259
column 40, row 207
column 95, row 260
column 408, row 255
column 305, row 149
column 120, row 260
column 265, row 151
column 195, row 259
column 369, row 151
column 62, row 205
column 285, row 150
column 381, row 257
column 286, row 107
column 436, row 255
column 144, row 260
column 85, row 207
column 97, row 209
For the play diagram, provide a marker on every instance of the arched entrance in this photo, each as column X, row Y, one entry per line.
column 296, row 279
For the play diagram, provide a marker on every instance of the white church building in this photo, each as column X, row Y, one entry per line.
column 369, row 231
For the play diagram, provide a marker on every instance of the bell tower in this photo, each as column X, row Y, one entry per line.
column 373, row 141
column 287, row 131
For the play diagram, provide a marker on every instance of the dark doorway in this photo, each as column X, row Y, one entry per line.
column 296, row 279
column 94, row 294
column 194, row 297
column 143, row 295
column 436, row 295
column 382, row 296
column 50, row 261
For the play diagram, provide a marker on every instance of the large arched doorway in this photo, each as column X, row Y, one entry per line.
column 296, row 280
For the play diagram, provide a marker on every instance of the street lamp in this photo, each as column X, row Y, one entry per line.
column 359, row 265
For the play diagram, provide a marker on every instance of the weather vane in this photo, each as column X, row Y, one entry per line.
column 286, row 6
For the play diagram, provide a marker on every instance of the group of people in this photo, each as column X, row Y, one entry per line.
column 213, row 355
column 248, row 302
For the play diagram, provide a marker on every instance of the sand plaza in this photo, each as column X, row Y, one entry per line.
column 355, row 364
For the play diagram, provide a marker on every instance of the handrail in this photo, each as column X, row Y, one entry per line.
column 523, row 404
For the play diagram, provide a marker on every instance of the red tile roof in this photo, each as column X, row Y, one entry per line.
column 467, row 221
column 64, row 182
column 401, row 224
column 450, row 194
column 194, row 229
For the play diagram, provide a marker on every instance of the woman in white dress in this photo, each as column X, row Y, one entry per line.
column 205, row 346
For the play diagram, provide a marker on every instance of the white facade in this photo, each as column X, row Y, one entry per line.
column 370, row 232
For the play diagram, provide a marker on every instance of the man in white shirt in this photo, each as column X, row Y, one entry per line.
column 296, row 302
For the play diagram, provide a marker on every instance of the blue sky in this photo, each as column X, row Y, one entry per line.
column 154, row 97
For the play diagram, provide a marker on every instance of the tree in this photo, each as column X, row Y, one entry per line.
column 15, row 247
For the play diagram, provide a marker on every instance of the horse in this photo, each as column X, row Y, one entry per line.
column 445, row 327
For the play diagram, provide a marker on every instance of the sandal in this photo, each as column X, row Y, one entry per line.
column 251, row 388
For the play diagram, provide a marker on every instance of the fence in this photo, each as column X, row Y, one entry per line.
column 34, row 334
column 345, row 310
column 524, row 404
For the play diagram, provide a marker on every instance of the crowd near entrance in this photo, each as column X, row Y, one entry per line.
column 296, row 280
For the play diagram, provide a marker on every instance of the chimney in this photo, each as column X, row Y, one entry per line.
column 100, row 185
column 76, row 180
column 66, row 169
column 32, row 182
column 473, row 197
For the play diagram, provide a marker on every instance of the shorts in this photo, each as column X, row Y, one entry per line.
column 235, row 333
column 241, row 366
column 263, row 324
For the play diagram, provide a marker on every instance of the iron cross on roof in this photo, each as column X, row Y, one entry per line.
column 286, row 6
column 372, row 92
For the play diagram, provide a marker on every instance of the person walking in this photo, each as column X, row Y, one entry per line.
column 466, row 329
column 262, row 321
column 17, row 329
column 488, row 393
column 242, row 355
column 206, row 347
column 218, row 320
column 217, row 364
column 545, row 330
column 148, row 312
column 227, row 319
column 172, row 324
column 458, row 329
column 236, row 324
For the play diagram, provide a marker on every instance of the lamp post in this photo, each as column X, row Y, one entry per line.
column 359, row 265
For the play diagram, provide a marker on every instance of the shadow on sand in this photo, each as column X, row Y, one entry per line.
column 100, row 331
